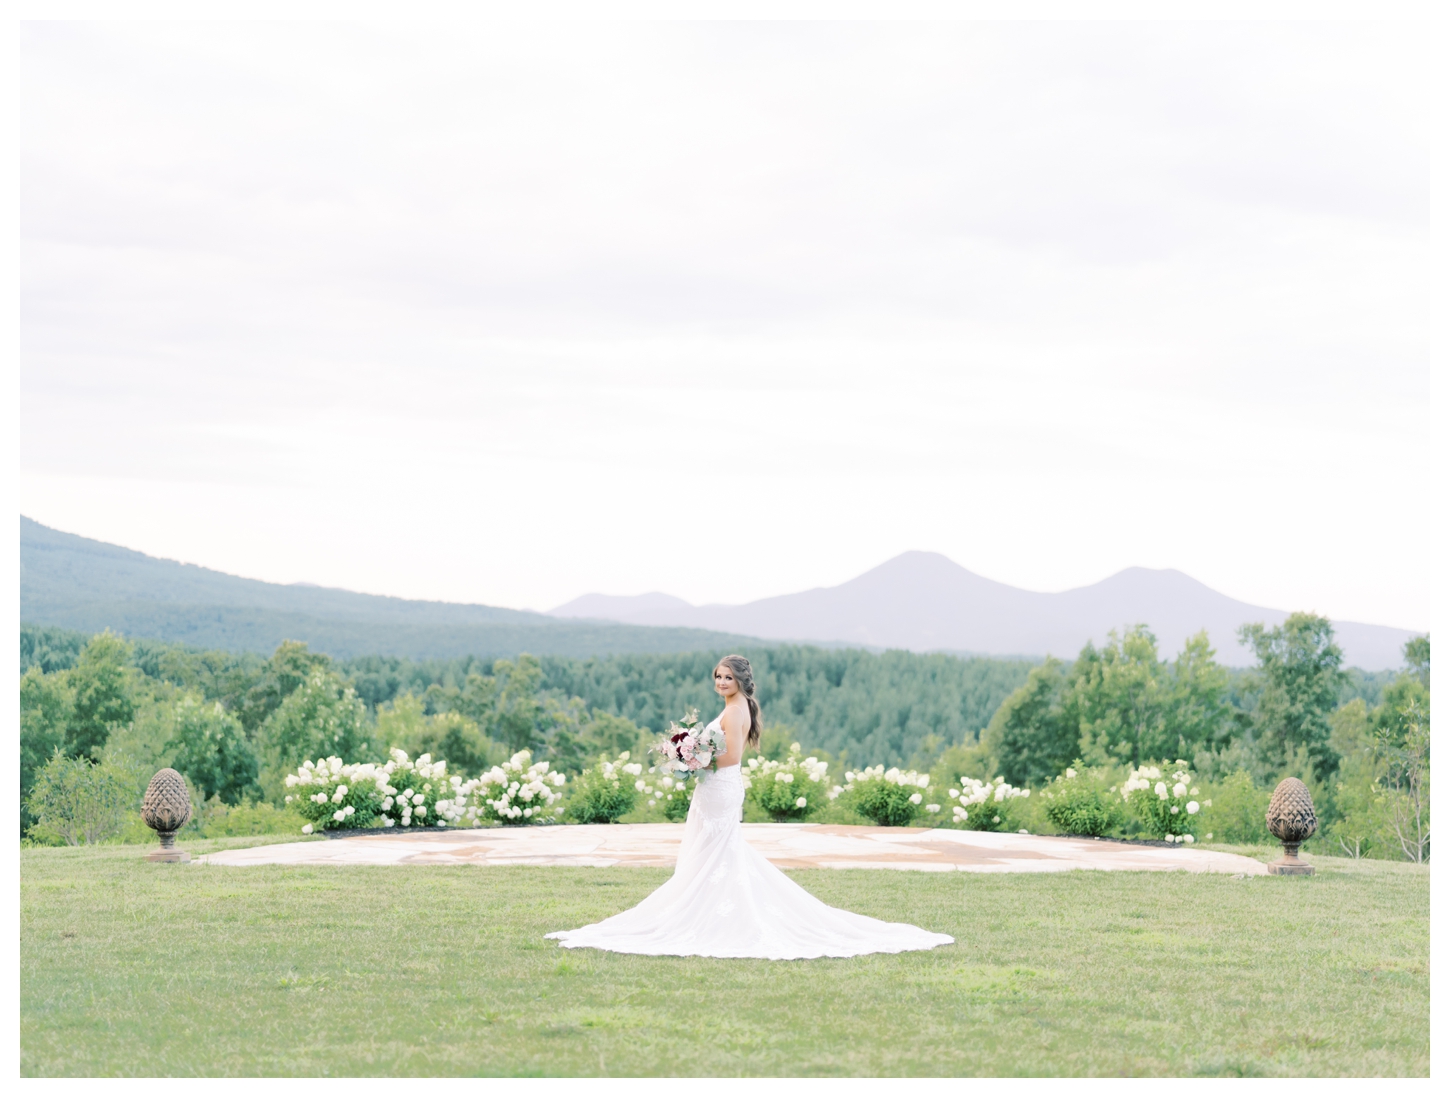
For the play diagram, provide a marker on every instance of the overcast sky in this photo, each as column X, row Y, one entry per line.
column 508, row 314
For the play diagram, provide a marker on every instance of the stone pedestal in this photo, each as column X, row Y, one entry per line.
column 168, row 851
column 1290, row 864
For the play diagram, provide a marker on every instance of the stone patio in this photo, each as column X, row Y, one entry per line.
column 790, row 846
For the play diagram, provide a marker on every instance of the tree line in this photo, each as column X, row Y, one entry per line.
column 235, row 723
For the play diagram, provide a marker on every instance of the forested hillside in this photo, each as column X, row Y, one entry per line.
column 82, row 584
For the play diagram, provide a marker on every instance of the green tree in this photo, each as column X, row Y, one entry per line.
column 1298, row 681
column 1200, row 716
column 1029, row 735
column 46, row 705
column 1404, row 745
column 211, row 748
column 451, row 736
column 1417, row 658
column 101, row 684
column 517, row 716
column 289, row 667
column 1118, row 700
column 320, row 718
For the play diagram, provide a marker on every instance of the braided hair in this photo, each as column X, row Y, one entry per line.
column 745, row 679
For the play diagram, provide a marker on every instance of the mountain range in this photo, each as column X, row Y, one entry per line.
column 927, row 602
column 918, row 601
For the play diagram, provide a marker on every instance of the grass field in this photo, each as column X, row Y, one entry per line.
column 130, row 968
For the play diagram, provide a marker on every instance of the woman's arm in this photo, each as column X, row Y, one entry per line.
column 735, row 728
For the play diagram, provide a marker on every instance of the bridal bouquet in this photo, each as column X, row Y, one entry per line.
column 687, row 747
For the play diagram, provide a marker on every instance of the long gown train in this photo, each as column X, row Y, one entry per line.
column 727, row 900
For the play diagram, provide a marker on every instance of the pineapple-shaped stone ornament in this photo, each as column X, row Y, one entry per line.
column 166, row 807
column 1291, row 820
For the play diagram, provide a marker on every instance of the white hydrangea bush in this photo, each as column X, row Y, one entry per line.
column 984, row 806
column 1165, row 800
column 787, row 789
column 888, row 798
column 421, row 793
column 607, row 790
column 332, row 795
column 520, row 792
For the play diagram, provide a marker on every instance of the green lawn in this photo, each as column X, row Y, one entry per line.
column 130, row 968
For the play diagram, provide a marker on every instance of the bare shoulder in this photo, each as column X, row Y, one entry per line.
column 736, row 718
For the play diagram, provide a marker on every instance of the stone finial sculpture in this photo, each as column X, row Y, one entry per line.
column 1291, row 820
column 166, row 807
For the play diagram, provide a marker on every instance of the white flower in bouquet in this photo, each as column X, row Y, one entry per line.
column 687, row 747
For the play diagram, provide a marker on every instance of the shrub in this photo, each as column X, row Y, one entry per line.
column 790, row 789
column 1235, row 812
column 985, row 806
column 520, row 791
column 75, row 801
column 606, row 791
column 218, row 819
column 1080, row 801
column 888, row 798
column 332, row 795
column 1165, row 806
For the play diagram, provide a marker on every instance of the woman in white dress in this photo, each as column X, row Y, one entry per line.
column 727, row 900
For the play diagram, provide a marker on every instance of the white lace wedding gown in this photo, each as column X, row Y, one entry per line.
column 727, row 900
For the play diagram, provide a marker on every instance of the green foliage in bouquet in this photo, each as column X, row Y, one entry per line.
column 1167, row 806
column 985, row 806
column 1080, row 801
column 605, row 791
column 788, row 789
column 888, row 798
column 332, row 795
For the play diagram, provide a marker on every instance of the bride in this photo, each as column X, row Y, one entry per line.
column 727, row 900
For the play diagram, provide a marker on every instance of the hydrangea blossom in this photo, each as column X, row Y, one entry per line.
column 979, row 803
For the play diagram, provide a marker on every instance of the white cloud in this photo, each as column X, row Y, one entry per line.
column 508, row 313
